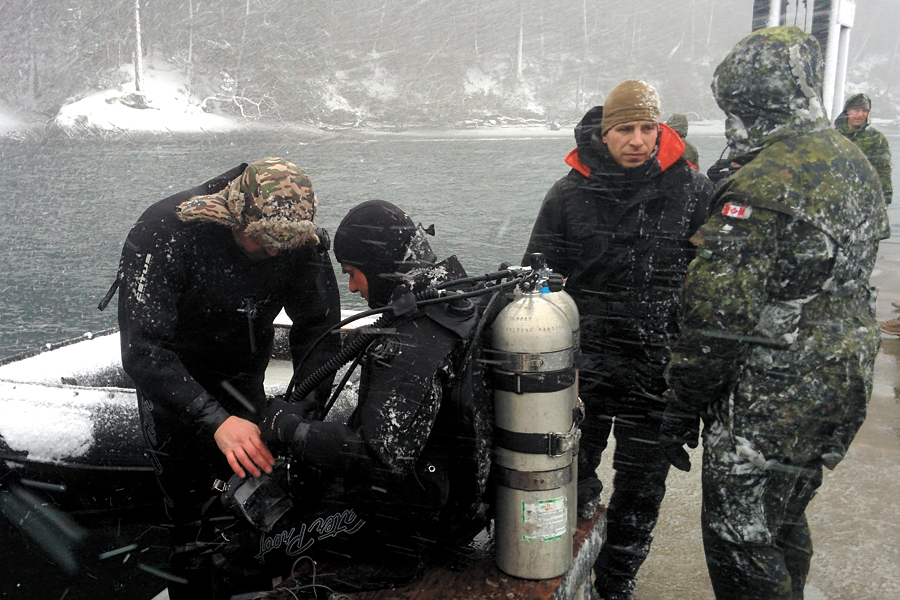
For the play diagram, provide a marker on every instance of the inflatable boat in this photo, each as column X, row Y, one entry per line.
column 70, row 424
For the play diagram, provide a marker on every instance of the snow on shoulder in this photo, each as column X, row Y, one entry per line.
column 163, row 106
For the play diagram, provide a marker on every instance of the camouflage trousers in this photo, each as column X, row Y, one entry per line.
column 755, row 533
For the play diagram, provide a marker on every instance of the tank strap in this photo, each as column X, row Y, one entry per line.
column 528, row 383
column 552, row 444
column 532, row 481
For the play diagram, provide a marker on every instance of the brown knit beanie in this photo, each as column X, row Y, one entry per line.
column 632, row 100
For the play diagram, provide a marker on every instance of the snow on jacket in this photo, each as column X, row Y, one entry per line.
column 195, row 310
column 620, row 236
column 779, row 336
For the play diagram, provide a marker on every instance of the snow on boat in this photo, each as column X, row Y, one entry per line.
column 71, row 405
column 70, row 419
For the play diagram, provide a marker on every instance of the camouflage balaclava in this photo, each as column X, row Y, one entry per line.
column 770, row 87
column 272, row 200
column 380, row 240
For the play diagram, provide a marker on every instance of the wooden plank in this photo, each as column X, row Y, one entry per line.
column 473, row 577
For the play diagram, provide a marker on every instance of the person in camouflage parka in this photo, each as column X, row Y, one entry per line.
column 871, row 141
column 779, row 335
column 679, row 123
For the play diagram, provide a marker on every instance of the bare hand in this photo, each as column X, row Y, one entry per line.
column 239, row 441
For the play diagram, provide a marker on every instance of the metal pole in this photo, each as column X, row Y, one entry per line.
column 840, row 79
column 761, row 11
column 840, row 20
column 774, row 13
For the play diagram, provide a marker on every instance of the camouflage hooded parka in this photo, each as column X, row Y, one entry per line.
column 779, row 335
column 871, row 141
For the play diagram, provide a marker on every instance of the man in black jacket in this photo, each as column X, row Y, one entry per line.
column 407, row 471
column 203, row 275
column 618, row 227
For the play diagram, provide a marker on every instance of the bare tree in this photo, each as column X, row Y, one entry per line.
column 190, row 52
column 579, row 89
column 138, row 54
column 33, row 88
column 521, row 41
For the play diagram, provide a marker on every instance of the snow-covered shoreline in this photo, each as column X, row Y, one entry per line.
column 165, row 108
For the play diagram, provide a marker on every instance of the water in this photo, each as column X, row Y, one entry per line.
column 68, row 207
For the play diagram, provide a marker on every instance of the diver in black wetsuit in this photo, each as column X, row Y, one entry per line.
column 408, row 470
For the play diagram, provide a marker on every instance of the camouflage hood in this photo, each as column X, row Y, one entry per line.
column 770, row 87
column 272, row 200
column 854, row 101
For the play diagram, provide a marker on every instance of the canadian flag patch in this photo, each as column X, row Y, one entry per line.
column 736, row 212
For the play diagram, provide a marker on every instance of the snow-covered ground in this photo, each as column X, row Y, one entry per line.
column 10, row 122
column 167, row 106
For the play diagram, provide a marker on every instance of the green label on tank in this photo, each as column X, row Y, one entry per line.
column 545, row 520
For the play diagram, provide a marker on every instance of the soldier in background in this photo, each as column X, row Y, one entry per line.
column 853, row 123
column 779, row 335
column 679, row 123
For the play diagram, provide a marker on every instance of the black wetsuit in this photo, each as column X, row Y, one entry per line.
column 408, row 470
column 196, row 318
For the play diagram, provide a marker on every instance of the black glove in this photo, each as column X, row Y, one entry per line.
column 677, row 429
column 281, row 419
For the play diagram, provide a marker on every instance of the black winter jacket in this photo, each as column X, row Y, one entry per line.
column 621, row 238
column 195, row 310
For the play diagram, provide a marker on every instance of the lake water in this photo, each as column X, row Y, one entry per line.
column 67, row 207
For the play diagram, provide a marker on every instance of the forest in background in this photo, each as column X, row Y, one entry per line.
column 403, row 61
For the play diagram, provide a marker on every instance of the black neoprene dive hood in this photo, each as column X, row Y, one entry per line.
column 380, row 240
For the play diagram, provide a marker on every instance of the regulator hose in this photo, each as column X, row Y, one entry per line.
column 351, row 350
column 387, row 318
column 337, row 361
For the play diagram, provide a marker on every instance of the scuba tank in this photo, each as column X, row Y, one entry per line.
column 535, row 433
column 567, row 305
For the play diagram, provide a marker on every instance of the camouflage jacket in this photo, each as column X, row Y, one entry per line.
column 691, row 155
column 875, row 146
column 779, row 336
column 679, row 123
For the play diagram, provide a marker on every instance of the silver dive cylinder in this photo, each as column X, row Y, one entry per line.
column 567, row 305
column 533, row 376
